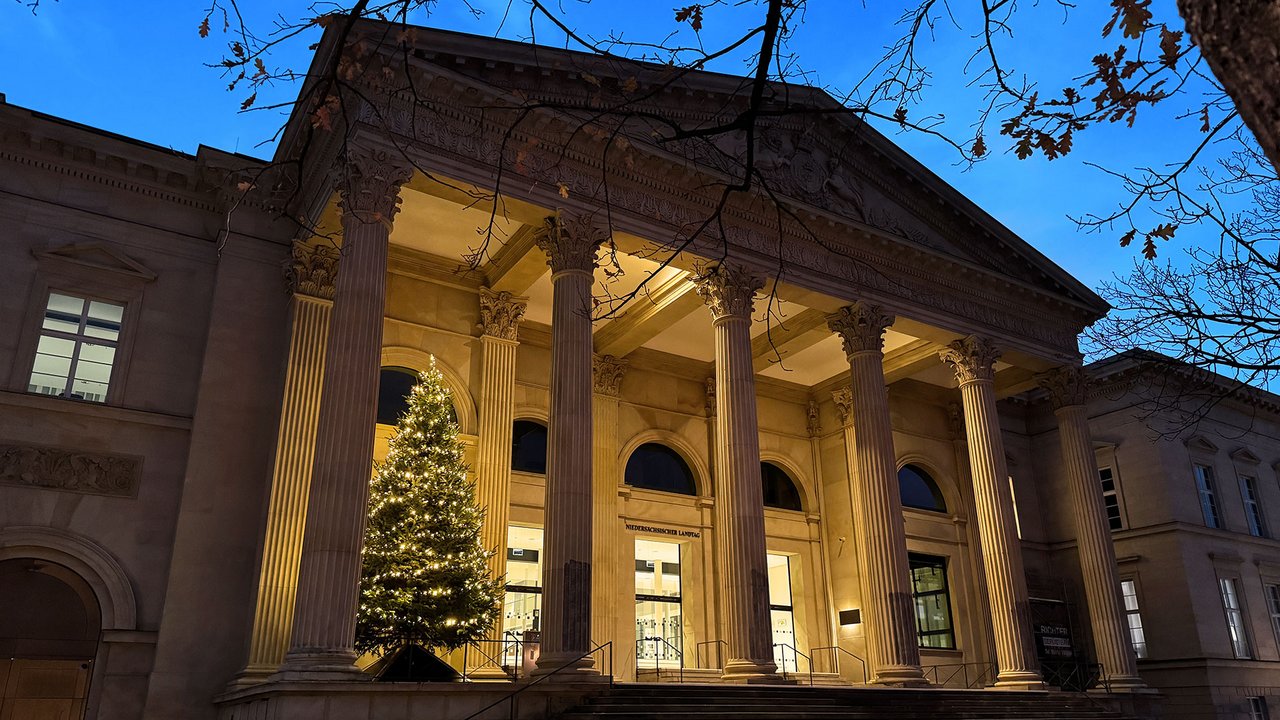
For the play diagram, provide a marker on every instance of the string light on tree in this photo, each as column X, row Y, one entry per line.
column 425, row 576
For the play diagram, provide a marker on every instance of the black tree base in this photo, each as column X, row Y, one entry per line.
column 412, row 663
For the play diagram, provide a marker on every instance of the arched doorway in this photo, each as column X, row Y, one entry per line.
column 50, row 623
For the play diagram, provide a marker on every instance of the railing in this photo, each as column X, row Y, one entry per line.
column 719, row 645
column 1076, row 676
column 797, row 654
column 657, row 656
column 836, row 651
column 476, row 647
column 974, row 674
column 513, row 697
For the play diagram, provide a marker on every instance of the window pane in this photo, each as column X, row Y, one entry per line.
column 52, row 366
column 104, row 320
column 779, row 580
column 63, row 313
column 932, row 601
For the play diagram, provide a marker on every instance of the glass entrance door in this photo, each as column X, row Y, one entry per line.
column 659, row 629
column 781, row 616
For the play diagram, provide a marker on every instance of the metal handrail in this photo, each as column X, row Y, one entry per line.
column 798, row 655
column 657, row 669
column 836, row 659
column 697, row 653
column 1088, row 675
column 467, row 670
column 511, row 697
column 987, row 668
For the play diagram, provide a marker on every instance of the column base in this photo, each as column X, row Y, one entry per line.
column 252, row 675
column 901, row 676
column 1126, row 684
column 319, row 666
column 749, row 671
column 1020, row 680
column 567, row 667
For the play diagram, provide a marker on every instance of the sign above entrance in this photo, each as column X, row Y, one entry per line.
column 664, row 531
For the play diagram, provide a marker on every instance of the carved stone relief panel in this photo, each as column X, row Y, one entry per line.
column 60, row 469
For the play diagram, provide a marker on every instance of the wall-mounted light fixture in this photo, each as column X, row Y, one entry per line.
column 851, row 617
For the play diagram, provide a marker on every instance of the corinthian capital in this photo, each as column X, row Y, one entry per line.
column 501, row 313
column 571, row 242
column 370, row 189
column 843, row 398
column 729, row 290
column 972, row 358
column 311, row 270
column 1065, row 385
column 606, row 373
column 861, row 327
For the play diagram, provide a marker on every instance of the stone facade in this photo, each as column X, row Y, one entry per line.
column 211, row 497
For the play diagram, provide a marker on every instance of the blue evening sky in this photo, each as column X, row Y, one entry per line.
column 137, row 68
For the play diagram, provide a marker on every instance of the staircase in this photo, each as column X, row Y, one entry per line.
column 754, row 702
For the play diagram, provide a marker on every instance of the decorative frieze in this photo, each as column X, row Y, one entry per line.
column 311, row 270
column 606, row 373
column 501, row 313
column 972, row 358
column 71, row 470
column 1065, row 385
column 370, row 189
column 861, row 327
column 571, row 241
column 729, row 290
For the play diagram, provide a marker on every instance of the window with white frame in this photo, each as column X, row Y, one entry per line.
column 1235, row 617
column 1253, row 506
column 1273, row 607
column 1110, row 498
column 1133, row 617
column 77, row 348
column 1208, row 496
column 1258, row 708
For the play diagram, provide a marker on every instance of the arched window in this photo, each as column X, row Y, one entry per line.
column 779, row 491
column 918, row 490
column 394, row 386
column 529, row 447
column 658, row 467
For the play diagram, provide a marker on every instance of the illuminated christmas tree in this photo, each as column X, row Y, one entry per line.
column 425, row 576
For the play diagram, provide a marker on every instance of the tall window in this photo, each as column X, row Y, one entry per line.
column 1258, row 708
column 78, row 340
column 529, row 447
column 659, row 632
column 1252, row 506
column 522, row 603
column 1138, row 638
column 1208, row 499
column 933, row 601
column 781, row 613
column 1273, row 607
column 658, row 467
column 1235, row 617
column 1110, row 498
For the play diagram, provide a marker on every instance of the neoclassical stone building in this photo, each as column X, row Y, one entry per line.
column 799, row 445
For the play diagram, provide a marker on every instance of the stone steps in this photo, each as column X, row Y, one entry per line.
column 734, row 702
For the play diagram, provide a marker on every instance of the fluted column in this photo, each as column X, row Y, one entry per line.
column 1067, row 387
column 889, row 612
column 973, row 359
column 571, row 243
column 500, row 316
column 328, row 577
column 310, row 274
column 608, row 551
column 730, row 291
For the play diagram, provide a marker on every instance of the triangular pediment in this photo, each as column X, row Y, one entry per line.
column 98, row 256
column 1244, row 457
column 1201, row 444
column 830, row 168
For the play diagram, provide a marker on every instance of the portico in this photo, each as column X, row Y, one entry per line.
column 837, row 348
